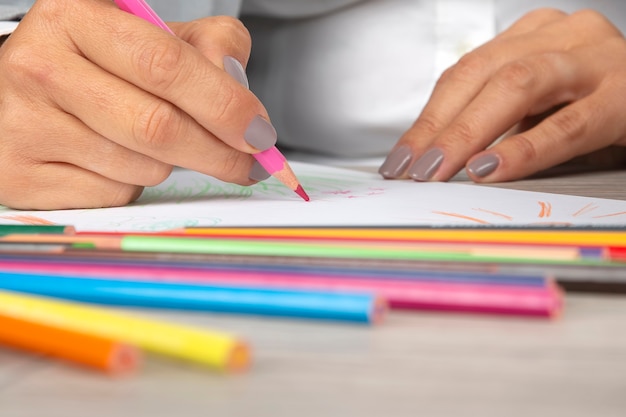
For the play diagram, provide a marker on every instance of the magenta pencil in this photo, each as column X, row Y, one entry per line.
column 546, row 301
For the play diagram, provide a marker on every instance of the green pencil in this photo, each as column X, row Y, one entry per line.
column 20, row 229
column 310, row 249
column 314, row 249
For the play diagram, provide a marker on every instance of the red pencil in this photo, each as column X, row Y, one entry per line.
column 617, row 253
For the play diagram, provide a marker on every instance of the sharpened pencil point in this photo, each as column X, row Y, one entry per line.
column 300, row 191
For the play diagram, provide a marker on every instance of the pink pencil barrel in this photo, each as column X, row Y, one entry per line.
column 400, row 294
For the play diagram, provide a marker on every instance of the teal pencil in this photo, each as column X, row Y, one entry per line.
column 54, row 229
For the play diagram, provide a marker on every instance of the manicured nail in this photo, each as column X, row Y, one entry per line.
column 260, row 134
column 235, row 69
column 258, row 173
column 483, row 165
column 424, row 168
column 396, row 162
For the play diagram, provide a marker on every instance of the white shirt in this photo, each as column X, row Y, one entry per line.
column 348, row 77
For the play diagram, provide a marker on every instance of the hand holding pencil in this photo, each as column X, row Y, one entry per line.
column 103, row 104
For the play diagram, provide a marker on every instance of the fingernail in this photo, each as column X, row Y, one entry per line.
column 483, row 165
column 424, row 168
column 258, row 173
column 260, row 134
column 233, row 67
column 396, row 162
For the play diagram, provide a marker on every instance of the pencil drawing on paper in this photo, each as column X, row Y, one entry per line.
column 27, row 219
column 544, row 212
column 188, row 199
column 208, row 188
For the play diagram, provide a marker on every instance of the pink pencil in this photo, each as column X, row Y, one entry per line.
column 400, row 294
column 272, row 160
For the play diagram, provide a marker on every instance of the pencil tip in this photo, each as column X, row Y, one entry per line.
column 300, row 191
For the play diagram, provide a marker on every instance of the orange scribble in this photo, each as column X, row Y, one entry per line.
column 26, row 219
column 587, row 208
column 495, row 213
column 546, row 209
column 461, row 216
column 621, row 213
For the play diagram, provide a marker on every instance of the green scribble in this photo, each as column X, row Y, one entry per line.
column 207, row 188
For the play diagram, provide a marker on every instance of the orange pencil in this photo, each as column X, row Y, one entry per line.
column 91, row 351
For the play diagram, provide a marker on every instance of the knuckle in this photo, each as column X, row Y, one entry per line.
column 524, row 148
column 589, row 21
column 223, row 31
column 156, row 174
column 589, row 16
column 568, row 123
column 429, row 124
column 29, row 65
column 157, row 125
column 239, row 33
column 445, row 76
column 468, row 69
column 465, row 132
column 125, row 194
column 544, row 14
column 232, row 25
column 222, row 103
column 52, row 9
column 158, row 63
column 517, row 75
column 231, row 164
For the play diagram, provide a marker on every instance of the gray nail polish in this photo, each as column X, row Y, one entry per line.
column 483, row 165
column 425, row 167
column 233, row 67
column 396, row 162
column 260, row 134
column 258, row 173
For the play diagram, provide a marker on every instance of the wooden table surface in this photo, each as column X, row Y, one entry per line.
column 414, row 364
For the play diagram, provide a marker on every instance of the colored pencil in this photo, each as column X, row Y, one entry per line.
column 9, row 229
column 534, row 300
column 271, row 159
column 499, row 250
column 95, row 266
column 91, row 351
column 314, row 248
column 8, row 247
column 617, row 254
column 214, row 349
column 354, row 307
column 537, row 236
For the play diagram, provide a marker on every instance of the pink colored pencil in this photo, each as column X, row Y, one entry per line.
column 400, row 294
column 271, row 159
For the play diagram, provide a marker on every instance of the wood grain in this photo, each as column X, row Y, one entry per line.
column 416, row 364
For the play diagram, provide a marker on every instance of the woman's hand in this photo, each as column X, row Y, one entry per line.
column 553, row 86
column 96, row 104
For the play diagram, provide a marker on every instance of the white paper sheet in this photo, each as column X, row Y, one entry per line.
column 338, row 197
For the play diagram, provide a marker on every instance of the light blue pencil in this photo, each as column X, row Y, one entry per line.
column 355, row 307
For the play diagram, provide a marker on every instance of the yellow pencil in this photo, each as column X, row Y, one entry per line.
column 218, row 350
column 556, row 236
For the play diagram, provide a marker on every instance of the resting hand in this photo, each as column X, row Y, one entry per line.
column 96, row 104
column 553, row 86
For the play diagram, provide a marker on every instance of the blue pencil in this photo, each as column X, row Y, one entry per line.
column 345, row 272
column 354, row 307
